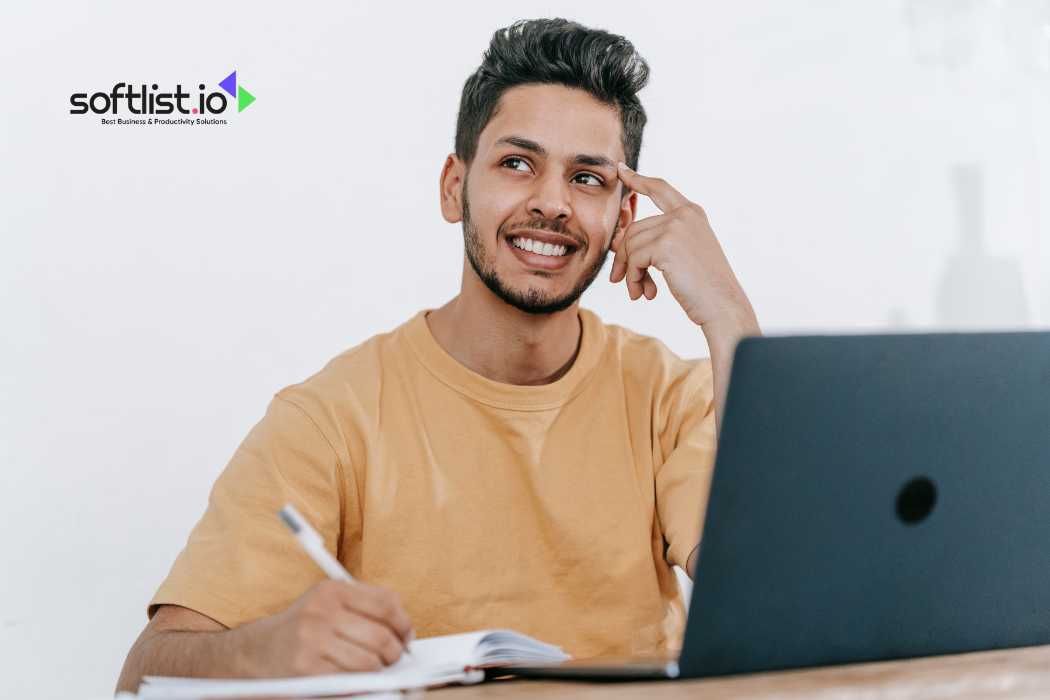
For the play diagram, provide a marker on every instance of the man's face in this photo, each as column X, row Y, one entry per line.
column 544, row 177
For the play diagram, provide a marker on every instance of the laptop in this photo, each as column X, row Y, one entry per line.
column 874, row 497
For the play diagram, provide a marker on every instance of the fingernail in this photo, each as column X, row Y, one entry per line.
column 621, row 165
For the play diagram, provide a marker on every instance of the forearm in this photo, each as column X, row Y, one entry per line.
column 722, row 338
column 220, row 653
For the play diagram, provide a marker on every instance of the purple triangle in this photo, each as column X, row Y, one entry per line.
column 229, row 84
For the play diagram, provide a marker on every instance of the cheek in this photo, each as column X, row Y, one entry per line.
column 599, row 225
column 497, row 213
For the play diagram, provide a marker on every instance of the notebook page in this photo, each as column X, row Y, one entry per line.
column 163, row 688
column 447, row 651
column 433, row 661
column 508, row 646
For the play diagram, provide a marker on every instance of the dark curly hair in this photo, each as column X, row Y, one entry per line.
column 562, row 52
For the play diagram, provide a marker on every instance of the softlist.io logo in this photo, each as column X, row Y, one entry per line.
column 146, row 105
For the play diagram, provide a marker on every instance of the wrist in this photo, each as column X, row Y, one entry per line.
column 724, row 332
column 243, row 648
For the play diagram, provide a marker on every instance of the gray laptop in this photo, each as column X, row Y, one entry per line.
column 874, row 497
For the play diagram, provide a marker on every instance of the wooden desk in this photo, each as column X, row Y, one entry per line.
column 1019, row 674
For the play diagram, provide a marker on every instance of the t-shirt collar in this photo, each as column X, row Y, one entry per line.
column 457, row 376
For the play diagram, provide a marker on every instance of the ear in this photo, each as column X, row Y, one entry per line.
column 625, row 217
column 451, row 189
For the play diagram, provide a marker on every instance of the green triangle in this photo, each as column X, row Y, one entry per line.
column 244, row 98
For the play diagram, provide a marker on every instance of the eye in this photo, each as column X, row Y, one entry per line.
column 513, row 160
column 598, row 180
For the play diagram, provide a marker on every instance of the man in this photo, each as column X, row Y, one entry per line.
column 507, row 459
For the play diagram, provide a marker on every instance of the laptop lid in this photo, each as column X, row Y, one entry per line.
column 876, row 497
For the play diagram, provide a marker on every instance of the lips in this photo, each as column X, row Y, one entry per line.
column 546, row 237
column 541, row 262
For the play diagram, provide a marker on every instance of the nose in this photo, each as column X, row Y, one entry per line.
column 550, row 198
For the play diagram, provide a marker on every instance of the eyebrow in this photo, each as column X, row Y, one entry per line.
column 596, row 161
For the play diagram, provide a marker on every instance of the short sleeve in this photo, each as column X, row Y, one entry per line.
column 240, row 562
column 687, row 437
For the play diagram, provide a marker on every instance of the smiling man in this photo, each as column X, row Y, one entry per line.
column 506, row 459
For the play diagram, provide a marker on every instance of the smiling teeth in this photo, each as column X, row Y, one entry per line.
column 539, row 248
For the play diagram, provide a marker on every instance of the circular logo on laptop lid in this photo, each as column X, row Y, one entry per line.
column 916, row 500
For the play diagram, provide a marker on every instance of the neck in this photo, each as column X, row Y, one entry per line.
column 502, row 343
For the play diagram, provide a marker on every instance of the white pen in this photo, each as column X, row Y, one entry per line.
column 314, row 546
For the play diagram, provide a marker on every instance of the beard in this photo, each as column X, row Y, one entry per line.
column 531, row 300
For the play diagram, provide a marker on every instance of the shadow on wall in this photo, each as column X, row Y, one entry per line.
column 973, row 40
column 978, row 290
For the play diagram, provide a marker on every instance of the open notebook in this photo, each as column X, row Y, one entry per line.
column 454, row 658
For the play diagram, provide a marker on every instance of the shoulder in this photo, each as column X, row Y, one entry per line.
column 676, row 392
column 348, row 382
column 647, row 361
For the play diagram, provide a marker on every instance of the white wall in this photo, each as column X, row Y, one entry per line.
column 159, row 284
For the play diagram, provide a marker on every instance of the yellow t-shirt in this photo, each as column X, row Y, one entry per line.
column 556, row 510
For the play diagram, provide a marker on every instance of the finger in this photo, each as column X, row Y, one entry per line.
column 348, row 656
column 649, row 286
column 647, row 223
column 380, row 604
column 642, row 287
column 375, row 637
column 639, row 252
column 619, row 267
column 617, row 245
column 619, row 260
column 321, row 665
column 383, row 606
column 646, row 287
column 664, row 196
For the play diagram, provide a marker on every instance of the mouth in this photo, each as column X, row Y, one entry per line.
column 544, row 251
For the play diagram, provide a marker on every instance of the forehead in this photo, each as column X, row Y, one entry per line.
column 566, row 121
